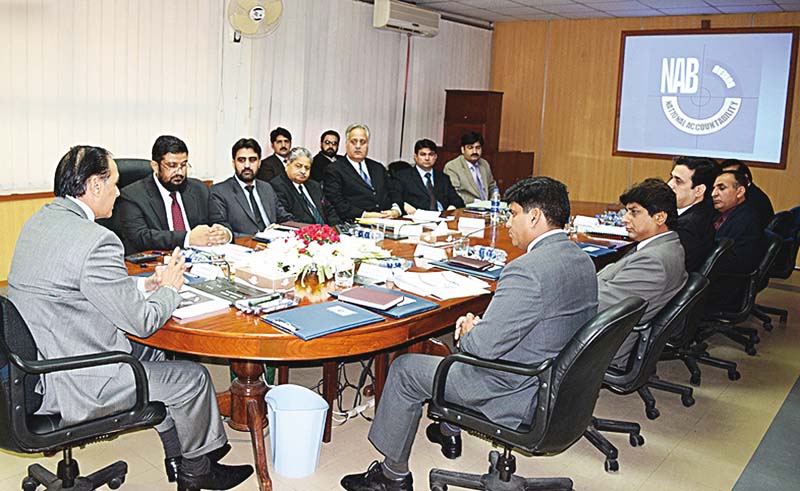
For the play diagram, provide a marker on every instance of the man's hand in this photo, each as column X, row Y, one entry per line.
column 465, row 323
column 410, row 210
column 203, row 235
column 393, row 213
column 172, row 273
column 451, row 208
column 373, row 214
column 223, row 233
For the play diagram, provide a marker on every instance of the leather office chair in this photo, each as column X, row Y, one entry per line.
column 130, row 170
column 726, row 322
column 784, row 224
column 640, row 373
column 569, row 385
column 23, row 431
column 683, row 345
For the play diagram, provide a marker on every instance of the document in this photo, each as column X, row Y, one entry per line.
column 443, row 285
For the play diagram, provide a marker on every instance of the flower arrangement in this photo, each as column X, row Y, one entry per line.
column 313, row 250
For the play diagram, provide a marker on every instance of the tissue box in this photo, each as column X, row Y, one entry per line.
column 280, row 281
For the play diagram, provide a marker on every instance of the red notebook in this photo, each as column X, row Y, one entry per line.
column 368, row 297
column 470, row 263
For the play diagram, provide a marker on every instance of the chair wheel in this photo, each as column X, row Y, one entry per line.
column 695, row 379
column 755, row 339
column 767, row 326
column 437, row 487
column 116, row 482
column 611, row 465
column 784, row 318
column 636, row 440
column 28, row 484
column 652, row 413
column 687, row 400
column 734, row 375
column 750, row 350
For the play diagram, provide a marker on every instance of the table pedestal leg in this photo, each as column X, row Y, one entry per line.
column 248, row 411
column 330, row 387
column 381, row 366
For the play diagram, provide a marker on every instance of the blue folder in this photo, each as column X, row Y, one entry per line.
column 405, row 308
column 319, row 319
column 595, row 250
column 492, row 273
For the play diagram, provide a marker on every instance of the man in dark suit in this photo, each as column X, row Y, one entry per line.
column 423, row 186
column 358, row 186
column 328, row 146
column 755, row 197
column 281, row 141
column 555, row 278
column 168, row 209
column 69, row 269
column 242, row 203
column 692, row 180
column 301, row 196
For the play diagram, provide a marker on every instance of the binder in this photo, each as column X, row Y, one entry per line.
column 411, row 306
column 319, row 319
column 492, row 273
column 595, row 250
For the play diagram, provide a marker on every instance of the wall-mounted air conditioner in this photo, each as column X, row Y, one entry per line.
column 404, row 17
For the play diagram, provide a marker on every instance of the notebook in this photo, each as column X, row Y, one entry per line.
column 319, row 319
column 470, row 263
column 493, row 273
column 368, row 297
column 410, row 305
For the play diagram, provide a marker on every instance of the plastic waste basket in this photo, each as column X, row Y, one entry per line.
column 296, row 422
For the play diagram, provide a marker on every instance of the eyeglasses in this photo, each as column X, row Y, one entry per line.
column 173, row 166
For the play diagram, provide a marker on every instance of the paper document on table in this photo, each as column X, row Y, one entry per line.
column 232, row 252
column 442, row 285
column 426, row 216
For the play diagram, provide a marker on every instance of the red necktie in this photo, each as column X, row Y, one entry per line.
column 177, row 216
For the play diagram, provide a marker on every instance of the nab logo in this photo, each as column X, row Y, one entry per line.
column 681, row 77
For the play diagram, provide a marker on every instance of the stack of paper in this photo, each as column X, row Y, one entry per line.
column 443, row 285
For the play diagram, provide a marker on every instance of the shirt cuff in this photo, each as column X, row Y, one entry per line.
column 186, row 240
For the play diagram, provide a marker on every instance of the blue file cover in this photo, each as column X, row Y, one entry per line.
column 492, row 273
column 319, row 319
column 408, row 307
column 595, row 250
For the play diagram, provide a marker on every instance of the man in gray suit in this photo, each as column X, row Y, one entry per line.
column 470, row 174
column 68, row 280
column 242, row 203
column 542, row 299
column 655, row 270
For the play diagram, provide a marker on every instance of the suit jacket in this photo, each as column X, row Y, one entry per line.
column 232, row 207
column 68, row 280
column 295, row 204
column 144, row 218
column 351, row 196
column 655, row 272
column 416, row 194
column 318, row 166
column 743, row 225
column 270, row 167
column 696, row 232
column 556, row 281
column 463, row 182
column 760, row 202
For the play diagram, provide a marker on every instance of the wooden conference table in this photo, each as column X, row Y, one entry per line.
column 249, row 342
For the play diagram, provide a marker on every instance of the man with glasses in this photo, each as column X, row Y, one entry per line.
column 169, row 209
column 328, row 148
column 470, row 174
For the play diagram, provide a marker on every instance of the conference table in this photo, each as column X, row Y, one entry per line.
column 248, row 342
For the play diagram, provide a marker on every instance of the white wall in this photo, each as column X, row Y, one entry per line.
column 117, row 73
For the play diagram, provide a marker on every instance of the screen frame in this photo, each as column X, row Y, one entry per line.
column 794, row 31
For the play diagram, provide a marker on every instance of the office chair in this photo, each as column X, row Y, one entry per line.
column 785, row 225
column 21, row 430
column 640, row 373
column 726, row 322
column 130, row 171
column 569, row 385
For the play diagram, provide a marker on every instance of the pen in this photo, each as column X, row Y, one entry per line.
column 258, row 301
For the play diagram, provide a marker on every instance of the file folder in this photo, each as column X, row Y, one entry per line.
column 492, row 273
column 408, row 307
column 313, row 321
column 595, row 250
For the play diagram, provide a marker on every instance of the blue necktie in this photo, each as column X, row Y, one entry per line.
column 364, row 175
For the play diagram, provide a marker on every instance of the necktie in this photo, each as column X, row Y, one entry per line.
column 432, row 205
column 254, row 205
column 177, row 216
column 310, row 204
column 364, row 174
column 477, row 173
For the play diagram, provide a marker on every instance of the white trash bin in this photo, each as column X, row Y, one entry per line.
column 296, row 422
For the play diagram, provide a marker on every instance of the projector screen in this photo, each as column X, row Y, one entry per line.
column 721, row 93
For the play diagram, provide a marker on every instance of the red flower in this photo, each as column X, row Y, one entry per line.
column 321, row 234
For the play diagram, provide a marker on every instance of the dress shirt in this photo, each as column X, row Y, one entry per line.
column 683, row 210
column 647, row 241
column 302, row 190
column 243, row 185
column 422, row 173
column 168, row 209
column 546, row 234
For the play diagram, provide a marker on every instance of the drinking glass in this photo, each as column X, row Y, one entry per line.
column 343, row 275
column 461, row 247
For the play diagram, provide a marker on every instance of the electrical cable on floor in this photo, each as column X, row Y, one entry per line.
column 342, row 415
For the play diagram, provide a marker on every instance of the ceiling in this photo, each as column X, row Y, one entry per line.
column 515, row 10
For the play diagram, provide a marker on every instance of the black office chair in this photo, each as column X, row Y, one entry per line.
column 785, row 225
column 23, row 431
column 726, row 322
column 640, row 372
column 130, row 171
column 568, row 388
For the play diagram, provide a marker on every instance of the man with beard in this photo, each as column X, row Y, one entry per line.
column 471, row 175
column 328, row 146
column 169, row 209
column 272, row 166
column 243, row 203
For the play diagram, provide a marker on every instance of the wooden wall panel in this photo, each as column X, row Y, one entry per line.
column 12, row 215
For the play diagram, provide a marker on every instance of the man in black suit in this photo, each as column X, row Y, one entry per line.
column 301, row 196
column 755, row 197
column 423, row 186
column 358, row 186
column 692, row 180
column 328, row 146
column 168, row 210
column 272, row 166
column 242, row 203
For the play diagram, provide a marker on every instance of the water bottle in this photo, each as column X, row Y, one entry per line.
column 494, row 213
